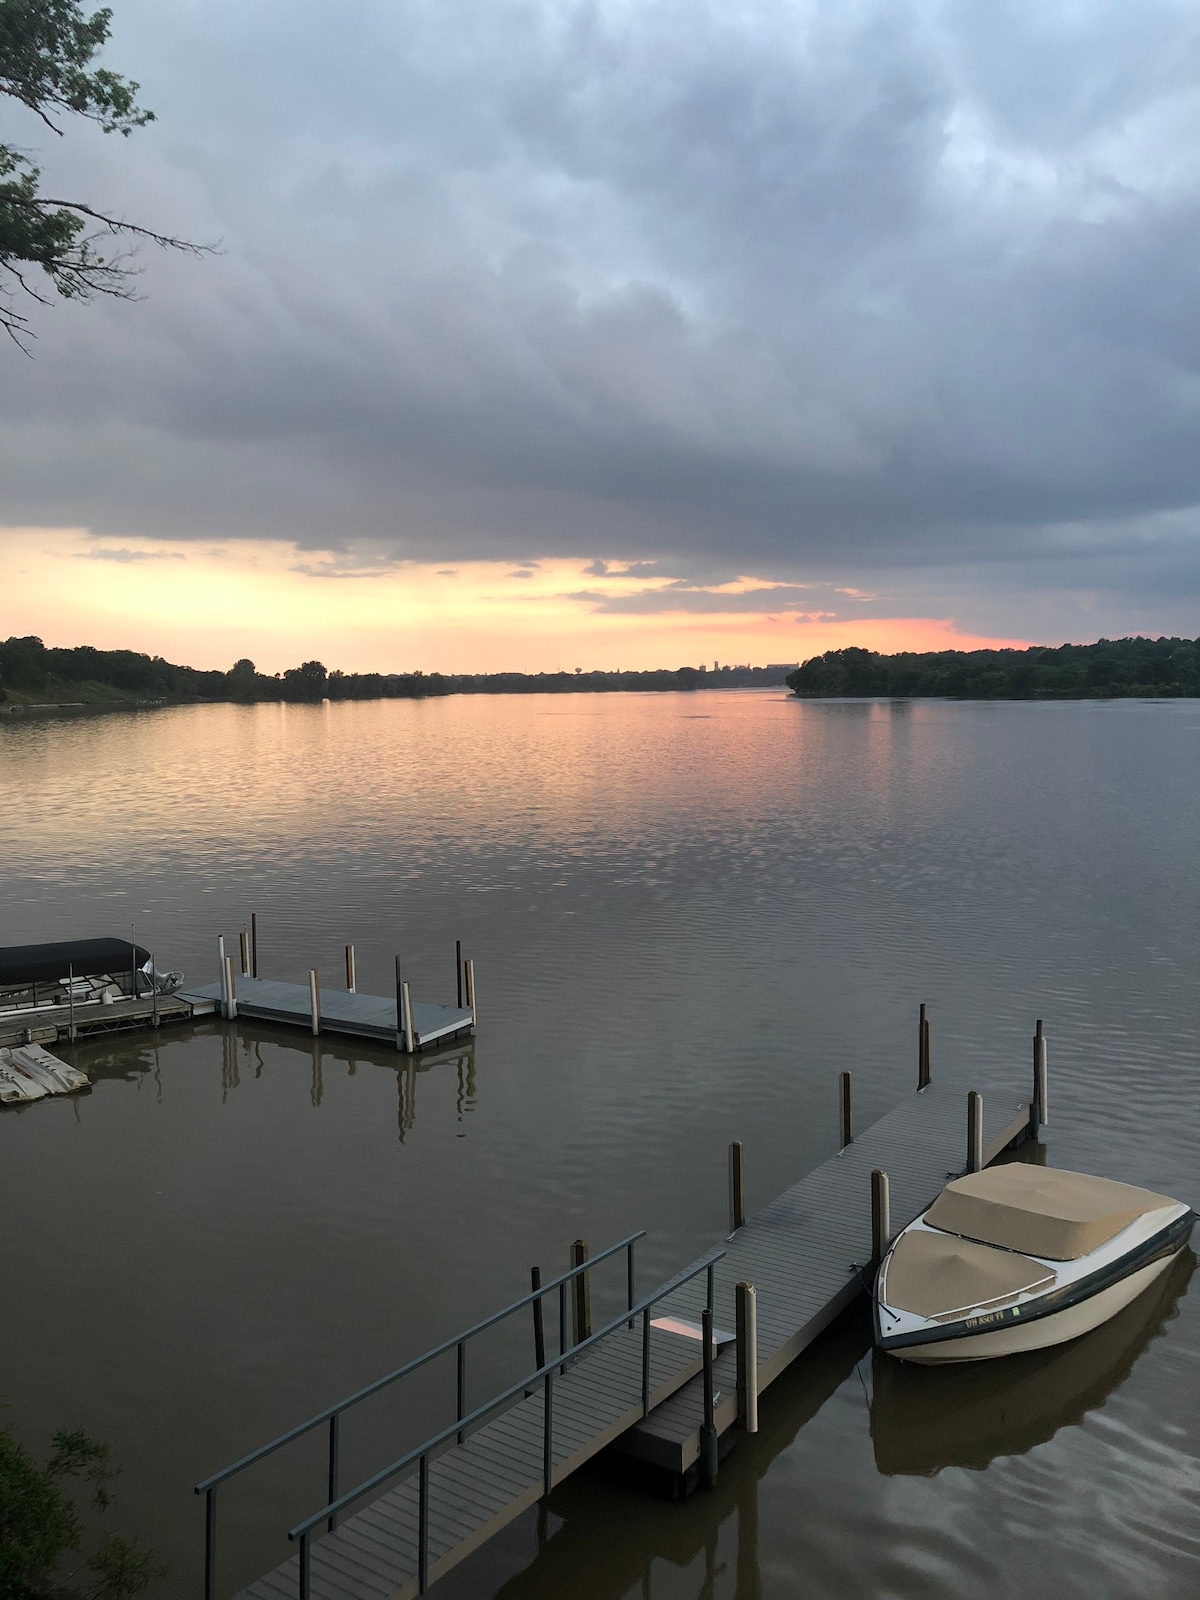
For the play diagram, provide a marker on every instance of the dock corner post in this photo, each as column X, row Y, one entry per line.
column 746, row 1326
column 974, row 1131
column 244, row 952
column 469, row 978
column 350, row 973
column 230, row 991
column 539, row 1321
column 458, row 971
column 410, row 1035
column 881, row 1215
column 924, row 1066
column 708, row 1433
column 737, row 1186
column 1039, row 1110
column 314, row 999
column 399, row 1008
column 221, row 978
column 581, row 1295
column 254, row 944
column 846, row 1095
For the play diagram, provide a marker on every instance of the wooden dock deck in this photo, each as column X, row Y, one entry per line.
column 797, row 1251
column 366, row 1016
column 48, row 1024
column 803, row 1253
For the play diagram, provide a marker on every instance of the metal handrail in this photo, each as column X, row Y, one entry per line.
column 328, row 1513
column 332, row 1414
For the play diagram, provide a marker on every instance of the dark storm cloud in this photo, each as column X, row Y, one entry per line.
column 805, row 291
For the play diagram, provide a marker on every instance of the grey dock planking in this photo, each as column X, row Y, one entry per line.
column 476, row 1488
column 798, row 1250
column 342, row 1010
column 50, row 1023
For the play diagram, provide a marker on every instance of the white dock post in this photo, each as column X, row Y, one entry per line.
column 469, row 972
column 221, row 975
column 746, row 1326
column 350, row 977
column 314, row 999
column 230, row 991
column 974, row 1131
column 410, row 1035
column 881, row 1215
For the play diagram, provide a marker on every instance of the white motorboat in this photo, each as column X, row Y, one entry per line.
column 1019, row 1257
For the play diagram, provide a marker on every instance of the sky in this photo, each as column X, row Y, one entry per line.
column 557, row 333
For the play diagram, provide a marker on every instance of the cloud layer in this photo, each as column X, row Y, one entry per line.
column 878, row 293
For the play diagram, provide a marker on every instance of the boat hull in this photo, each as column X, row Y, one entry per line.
column 1042, row 1332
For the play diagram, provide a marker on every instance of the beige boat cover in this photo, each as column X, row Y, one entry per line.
column 1042, row 1211
column 934, row 1274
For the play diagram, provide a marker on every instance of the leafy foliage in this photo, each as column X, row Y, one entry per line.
column 39, row 1524
column 1110, row 668
column 46, row 54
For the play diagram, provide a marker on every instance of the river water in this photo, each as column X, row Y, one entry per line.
column 688, row 913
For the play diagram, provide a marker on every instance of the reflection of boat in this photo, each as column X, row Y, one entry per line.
column 78, row 972
column 967, row 1415
column 1020, row 1257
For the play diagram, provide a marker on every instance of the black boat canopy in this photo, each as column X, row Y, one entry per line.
column 86, row 958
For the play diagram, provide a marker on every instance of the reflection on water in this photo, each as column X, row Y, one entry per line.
column 684, row 926
column 923, row 1420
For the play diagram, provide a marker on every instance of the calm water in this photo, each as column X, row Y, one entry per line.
column 688, row 913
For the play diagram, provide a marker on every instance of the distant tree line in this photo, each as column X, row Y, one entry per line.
column 1109, row 668
column 28, row 668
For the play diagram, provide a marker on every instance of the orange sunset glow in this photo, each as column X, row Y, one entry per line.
column 207, row 605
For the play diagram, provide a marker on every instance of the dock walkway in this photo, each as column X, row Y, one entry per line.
column 367, row 1016
column 804, row 1253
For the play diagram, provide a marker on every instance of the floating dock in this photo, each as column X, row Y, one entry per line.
column 639, row 1385
column 366, row 1016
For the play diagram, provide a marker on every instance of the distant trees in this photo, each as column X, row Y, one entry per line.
column 1111, row 668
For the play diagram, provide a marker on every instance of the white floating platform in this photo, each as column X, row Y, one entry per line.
column 27, row 1072
column 342, row 1010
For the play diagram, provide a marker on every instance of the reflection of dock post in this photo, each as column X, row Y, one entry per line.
column 350, row 973
column 737, row 1187
column 230, row 991
column 1039, row 1110
column 881, row 1215
column 314, row 999
column 846, row 1095
column 746, row 1327
column 974, row 1131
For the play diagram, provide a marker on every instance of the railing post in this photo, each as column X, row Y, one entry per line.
column 333, row 1467
column 562, row 1323
column 351, row 977
column 461, row 1383
column 712, row 1285
column 210, row 1541
column 708, row 1434
column 305, row 1573
column 846, row 1092
column 539, row 1325
column 581, row 1298
column 881, row 1216
column 423, row 1529
column 548, row 1434
column 314, row 999
column 737, row 1187
column 746, row 1326
column 974, row 1131
column 646, row 1362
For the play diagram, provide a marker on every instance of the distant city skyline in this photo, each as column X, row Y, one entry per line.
column 596, row 335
